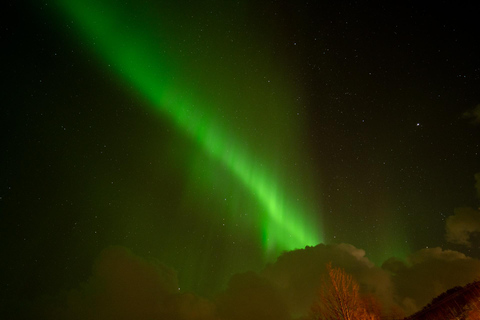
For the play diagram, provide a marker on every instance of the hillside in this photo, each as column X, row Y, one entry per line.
column 461, row 303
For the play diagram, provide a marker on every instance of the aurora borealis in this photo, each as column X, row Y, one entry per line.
column 214, row 137
column 284, row 226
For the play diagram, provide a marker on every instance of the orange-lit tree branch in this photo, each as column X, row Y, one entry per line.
column 339, row 298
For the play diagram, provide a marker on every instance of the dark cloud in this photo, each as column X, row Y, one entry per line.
column 125, row 286
column 429, row 272
column 187, row 306
column 473, row 114
column 251, row 296
column 461, row 225
column 465, row 221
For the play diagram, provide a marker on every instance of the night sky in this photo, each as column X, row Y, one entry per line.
column 211, row 136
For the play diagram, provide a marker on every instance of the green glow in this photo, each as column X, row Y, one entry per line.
column 132, row 52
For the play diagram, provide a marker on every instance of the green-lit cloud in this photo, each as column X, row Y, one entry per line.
column 132, row 51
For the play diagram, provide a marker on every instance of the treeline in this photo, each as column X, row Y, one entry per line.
column 459, row 303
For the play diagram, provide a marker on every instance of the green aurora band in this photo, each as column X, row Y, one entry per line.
column 132, row 53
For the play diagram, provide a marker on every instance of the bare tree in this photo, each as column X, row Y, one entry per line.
column 339, row 298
